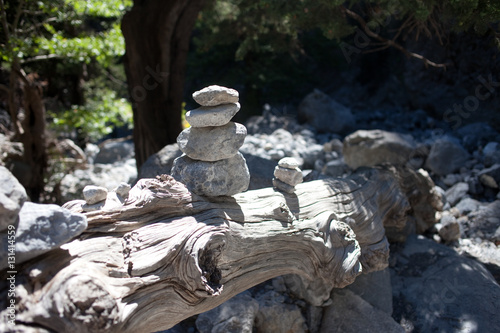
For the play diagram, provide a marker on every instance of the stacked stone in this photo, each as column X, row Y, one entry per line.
column 287, row 175
column 211, row 164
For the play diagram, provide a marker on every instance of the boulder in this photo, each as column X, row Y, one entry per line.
column 234, row 316
column 486, row 219
column 372, row 147
column 350, row 313
column 112, row 152
column 375, row 288
column 215, row 95
column 12, row 197
column 42, row 228
column 212, row 143
column 277, row 316
column 456, row 193
column 325, row 114
column 218, row 115
column 437, row 290
column 161, row 162
column 224, row 177
column 446, row 156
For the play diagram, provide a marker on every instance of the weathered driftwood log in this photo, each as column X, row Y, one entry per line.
column 167, row 254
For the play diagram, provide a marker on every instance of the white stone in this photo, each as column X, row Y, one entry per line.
column 215, row 95
column 289, row 163
column 289, row 176
column 94, row 194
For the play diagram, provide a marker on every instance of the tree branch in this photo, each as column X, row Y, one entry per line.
column 389, row 42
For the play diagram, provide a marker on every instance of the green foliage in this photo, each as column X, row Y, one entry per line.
column 94, row 118
column 80, row 37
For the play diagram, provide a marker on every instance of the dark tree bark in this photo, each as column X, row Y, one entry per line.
column 157, row 34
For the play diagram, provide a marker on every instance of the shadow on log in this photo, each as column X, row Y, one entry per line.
column 166, row 254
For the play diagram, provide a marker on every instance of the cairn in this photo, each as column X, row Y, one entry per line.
column 287, row 175
column 211, row 164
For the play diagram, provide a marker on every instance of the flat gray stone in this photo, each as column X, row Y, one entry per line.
column 445, row 157
column 212, row 143
column 236, row 315
column 456, row 193
column 291, row 177
column 289, row 163
column 350, row 313
column 12, row 197
column 215, row 95
column 437, row 290
column 224, row 177
column 282, row 186
column 373, row 147
column 94, row 194
column 42, row 228
column 212, row 115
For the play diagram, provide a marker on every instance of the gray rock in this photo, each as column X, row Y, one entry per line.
column 12, row 197
column 351, row 313
column 291, row 177
column 452, row 179
column 325, row 114
column 310, row 154
column 486, row 219
column 289, row 163
column 491, row 153
column 94, row 194
column 282, row 186
column 42, row 228
column 456, row 193
column 278, row 317
column 375, row 288
column 446, row 156
column 218, row 115
column 224, row 177
column 234, row 316
column 372, row 147
column 335, row 168
column 112, row 152
column 212, row 143
column 448, row 228
column 467, row 205
column 215, row 95
column 161, row 162
column 122, row 190
column 437, row 290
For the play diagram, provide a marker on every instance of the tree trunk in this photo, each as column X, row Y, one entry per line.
column 166, row 254
column 157, row 35
column 28, row 117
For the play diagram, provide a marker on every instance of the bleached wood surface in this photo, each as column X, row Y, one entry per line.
column 167, row 254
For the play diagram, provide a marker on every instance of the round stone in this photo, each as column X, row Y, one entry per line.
column 225, row 177
column 215, row 95
column 212, row 143
column 289, row 163
column 289, row 176
column 212, row 115
column 94, row 194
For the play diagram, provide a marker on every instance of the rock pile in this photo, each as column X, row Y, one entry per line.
column 211, row 164
column 287, row 175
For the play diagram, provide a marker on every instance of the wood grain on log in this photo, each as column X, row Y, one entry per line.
column 167, row 254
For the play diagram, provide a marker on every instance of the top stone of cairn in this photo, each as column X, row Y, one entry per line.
column 215, row 95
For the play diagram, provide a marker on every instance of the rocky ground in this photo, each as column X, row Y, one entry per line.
column 445, row 280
